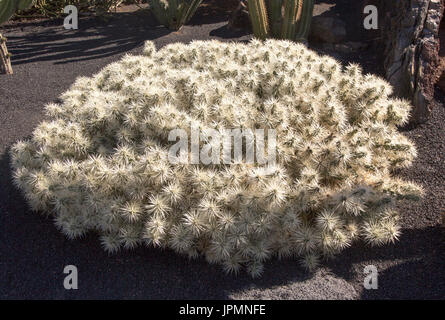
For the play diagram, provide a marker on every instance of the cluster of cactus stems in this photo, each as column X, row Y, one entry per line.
column 99, row 163
column 174, row 13
column 281, row 19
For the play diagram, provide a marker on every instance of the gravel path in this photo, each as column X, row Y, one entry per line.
column 33, row 253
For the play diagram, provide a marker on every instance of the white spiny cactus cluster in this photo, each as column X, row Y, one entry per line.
column 101, row 162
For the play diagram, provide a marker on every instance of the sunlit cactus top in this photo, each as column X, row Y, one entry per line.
column 100, row 162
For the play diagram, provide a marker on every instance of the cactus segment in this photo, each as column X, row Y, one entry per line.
column 281, row 19
column 259, row 18
column 191, row 9
column 9, row 7
column 275, row 9
column 24, row 4
column 174, row 13
column 304, row 20
column 292, row 10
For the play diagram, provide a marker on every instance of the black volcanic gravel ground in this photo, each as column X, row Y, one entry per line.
column 33, row 253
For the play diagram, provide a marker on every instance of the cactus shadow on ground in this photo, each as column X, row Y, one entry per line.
column 35, row 254
column 410, row 280
column 92, row 40
column 213, row 11
column 226, row 33
column 408, row 269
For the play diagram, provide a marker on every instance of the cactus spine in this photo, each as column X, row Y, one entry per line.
column 281, row 19
column 174, row 13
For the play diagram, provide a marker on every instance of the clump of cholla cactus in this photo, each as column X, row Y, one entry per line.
column 281, row 19
column 174, row 13
column 100, row 163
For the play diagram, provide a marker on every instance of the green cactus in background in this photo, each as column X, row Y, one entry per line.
column 292, row 11
column 7, row 9
column 276, row 16
column 304, row 20
column 174, row 13
column 259, row 18
column 281, row 19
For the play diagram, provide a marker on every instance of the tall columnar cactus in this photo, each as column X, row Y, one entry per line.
column 275, row 15
column 174, row 13
column 281, row 19
column 304, row 20
column 292, row 12
column 259, row 18
column 7, row 9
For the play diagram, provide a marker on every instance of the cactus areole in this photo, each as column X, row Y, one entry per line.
column 99, row 163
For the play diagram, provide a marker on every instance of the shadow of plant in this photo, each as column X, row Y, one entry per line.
column 411, row 280
column 93, row 40
column 409, row 269
column 35, row 254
